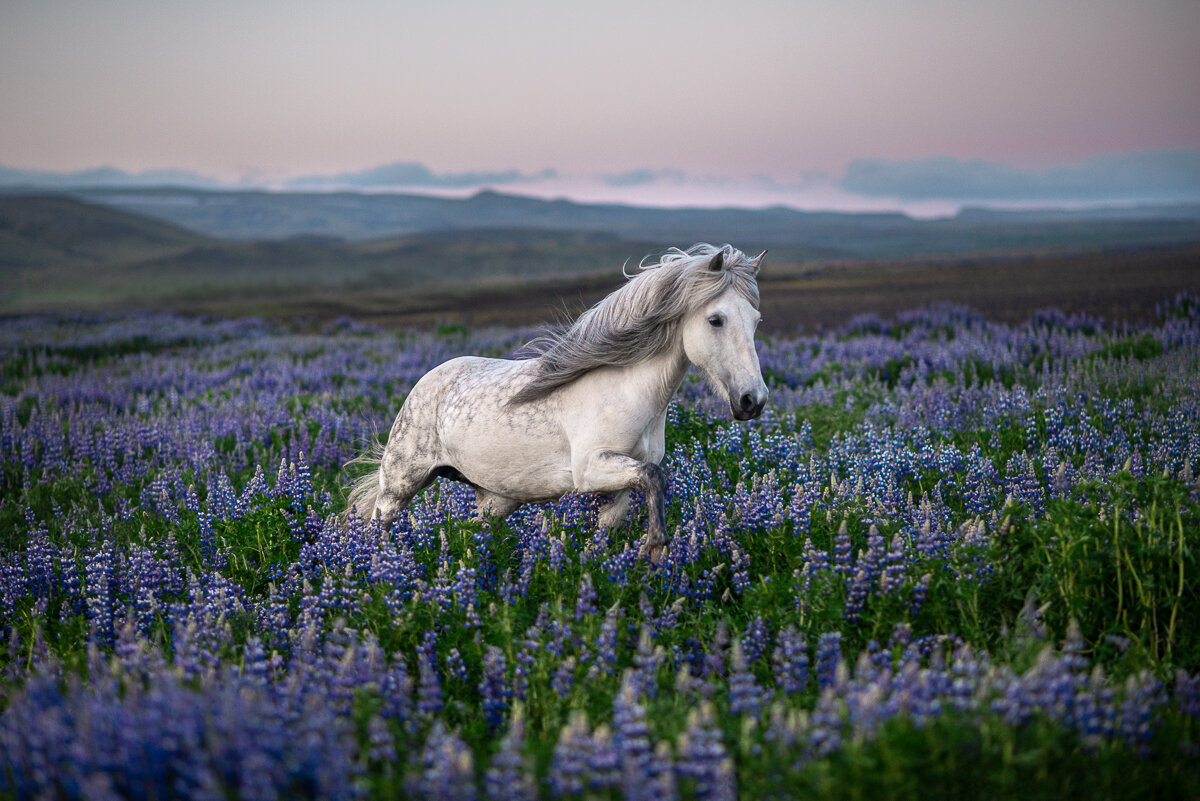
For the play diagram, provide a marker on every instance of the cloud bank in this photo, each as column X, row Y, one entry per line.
column 101, row 177
column 1153, row 177
column 408, row 174
column 925, row 188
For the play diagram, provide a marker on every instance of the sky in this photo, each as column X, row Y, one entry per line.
column 918, row 104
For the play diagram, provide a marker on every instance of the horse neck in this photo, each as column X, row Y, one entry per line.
column 661, row 375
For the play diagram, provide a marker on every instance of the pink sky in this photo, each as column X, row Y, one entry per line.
column 783, row 89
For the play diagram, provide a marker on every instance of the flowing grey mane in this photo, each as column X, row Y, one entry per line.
column 638, row 321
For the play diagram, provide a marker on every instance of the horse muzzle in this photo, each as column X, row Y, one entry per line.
column 748, row 405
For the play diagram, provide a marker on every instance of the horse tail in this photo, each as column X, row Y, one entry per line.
column 364, row 490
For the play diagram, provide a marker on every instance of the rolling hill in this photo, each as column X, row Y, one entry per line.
column 53, row 230
column 60, row 252
column 494, row 258
column 820, row 235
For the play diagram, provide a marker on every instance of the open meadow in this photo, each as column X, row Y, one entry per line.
column 955, row 557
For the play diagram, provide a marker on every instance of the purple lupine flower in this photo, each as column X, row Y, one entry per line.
column 618, row 566
column 646, row 661
column 429, row 689
column 256, row 666
column 755, row 639
column 825, row 725
column 703, row 760
column 447, row 769
column 509, row 776
column 790, row 661
column 661, row 782
column 493, row 687
column 739, row 569
column 829, row 654
column 569, row 762
column 842, row 555
column 606, row 644
column 465, row 586
column 382, row 745
column 798, row 509
column 603, row 760
column 564, row 677
column 920, row 591
column 856, row 594
column 745, row 696
column 456, row 668
column 631, row 737
column 586, row 602
column 894, row 566
column 395, row 690
column 1143, row 695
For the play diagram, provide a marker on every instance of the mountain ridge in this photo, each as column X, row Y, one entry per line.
column 356, row 216
column 61, row 253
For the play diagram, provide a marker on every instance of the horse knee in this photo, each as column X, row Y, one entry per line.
column 387, row 506
column 397, row 488
column 607, row 471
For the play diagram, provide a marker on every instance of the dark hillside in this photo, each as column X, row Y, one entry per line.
column 58, row 253
column 826, row 235
column 52, row 229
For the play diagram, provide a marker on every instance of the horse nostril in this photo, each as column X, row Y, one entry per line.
column 747, row 402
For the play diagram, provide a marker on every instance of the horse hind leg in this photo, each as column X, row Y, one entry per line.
column 614, row 512
column 489, row 504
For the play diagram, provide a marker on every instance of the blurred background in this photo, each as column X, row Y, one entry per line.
column 498, row 163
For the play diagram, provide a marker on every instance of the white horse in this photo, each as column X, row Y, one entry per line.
column 588, row 413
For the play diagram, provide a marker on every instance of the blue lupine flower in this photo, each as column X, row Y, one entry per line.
column 829, row 654
column 790, row 661
column 493, row 687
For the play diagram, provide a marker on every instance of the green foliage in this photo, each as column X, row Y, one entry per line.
column 1120, row 559
column 951, row 758
column 827, row 421
column 1139, row 348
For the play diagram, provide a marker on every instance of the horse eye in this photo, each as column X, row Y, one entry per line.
column 716, row 321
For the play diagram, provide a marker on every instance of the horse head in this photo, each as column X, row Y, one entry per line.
column 718, row 337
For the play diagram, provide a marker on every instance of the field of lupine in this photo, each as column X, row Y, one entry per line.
column 953, row 558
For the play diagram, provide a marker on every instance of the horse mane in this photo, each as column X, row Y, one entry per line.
column 640, row 319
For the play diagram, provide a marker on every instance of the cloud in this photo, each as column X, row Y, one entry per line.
column 413, row 174
column 101, row 177
column 641, row 177
column 1149, row 177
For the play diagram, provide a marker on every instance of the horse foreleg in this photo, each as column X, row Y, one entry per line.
column 609, row 471
column 389, row 504
column 399, row 482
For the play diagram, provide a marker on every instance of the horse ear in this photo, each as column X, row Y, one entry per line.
column 717, row 262
column 757, row 260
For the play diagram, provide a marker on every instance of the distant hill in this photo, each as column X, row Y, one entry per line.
column 401, row 257
column 822, row 235
column 60, row 252
column 45, row 230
